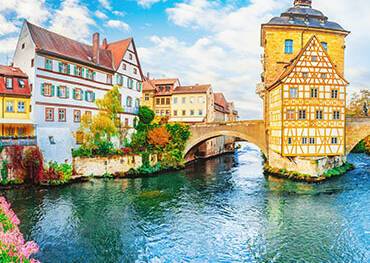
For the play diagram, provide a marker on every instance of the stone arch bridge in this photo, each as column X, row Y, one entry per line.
column 254, row 132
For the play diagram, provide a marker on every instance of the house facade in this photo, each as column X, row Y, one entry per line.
column 15, row 106
column 66, row 78
column 303, row 88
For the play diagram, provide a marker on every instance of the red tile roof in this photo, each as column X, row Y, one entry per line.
column 164, row 81
column 54, row 44
column 12, row 72
column 148, row 86
column 192, row 89
column 221, row 101
column 118, row 50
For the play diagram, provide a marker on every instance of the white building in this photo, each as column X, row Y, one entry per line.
column 67, row 76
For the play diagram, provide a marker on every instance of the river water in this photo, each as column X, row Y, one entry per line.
column 220, row 210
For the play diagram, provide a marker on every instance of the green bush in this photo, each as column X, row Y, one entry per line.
column 4, row 172
column 104, row 148
column 146, row 115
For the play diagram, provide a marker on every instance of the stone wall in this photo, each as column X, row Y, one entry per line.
column 99, row 166
column 314, row 166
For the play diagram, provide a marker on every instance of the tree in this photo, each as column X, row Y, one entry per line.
column 111, row 105
column 146, row 115
column 159, row 137
column 357, row 102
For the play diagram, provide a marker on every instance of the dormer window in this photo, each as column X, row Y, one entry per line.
column 9, row 83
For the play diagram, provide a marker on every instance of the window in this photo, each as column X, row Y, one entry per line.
column 126, row 122
column 312, row 140
column 49, row 114
column 77, row 116
column 62, row 92
column 183, row 100
column 157, row 101
column 162, row 112
column 79, row 137
column 325, row 45
column 191, row 112
column 314, row 58
column 9, row 106
column 47, row 89
column 21, row 131
column 302, row 114
column 130, row 83
column 78, row 71
column 168, row 101
column 334, row 140
column 191, row 100
column 314, row 92
column 336, row 115
column 62, row 115
column 21, row 106
column 167, row 113
column 175, row 113
column 10, row 131
column 200, row 99
column 304, row 140
column 23, row 45
column 77, row 94
column 200, row 112
column 290, row 140
column 9, row 83
column 89, row 96
column 63, row 67
column 48, row 64
column 323, row 75
column 293, row 93
column 183, row 112
column 129, row 101
column 305, row 75
column 334, row 93
column 290, row 115
column 119, row 79
column 130, row 56
column 109, row 78
column 319, row 115
column 32, row 63
column 135, row 71
column 157, row 112
column 163, row 100
column 168, row 88
column 174, row 100
column 146, row 96
column 288, row 46
column 21, row 83
column 124, row 66
column 137, row 103
column 90, row 74
column 138, row 86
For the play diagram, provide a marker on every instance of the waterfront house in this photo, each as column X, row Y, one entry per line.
column 68, row 76
column 16, row 124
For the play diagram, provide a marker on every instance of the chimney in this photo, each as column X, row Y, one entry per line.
column 95, row 47
column 105, row 43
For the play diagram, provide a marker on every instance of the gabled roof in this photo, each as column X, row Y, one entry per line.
column 118, row 50
column 221, row 101
column 148, row 85
column 293, row 63
column 192, row 89
column 169, row 81
column 12, row 72
column 54, row 44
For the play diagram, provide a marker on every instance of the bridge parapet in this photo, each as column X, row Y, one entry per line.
column 357, row 129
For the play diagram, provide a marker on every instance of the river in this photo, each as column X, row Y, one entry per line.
column 220, row 210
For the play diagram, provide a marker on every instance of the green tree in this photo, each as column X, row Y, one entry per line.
column 356, row 105
column 111, row 105
column 146, row 115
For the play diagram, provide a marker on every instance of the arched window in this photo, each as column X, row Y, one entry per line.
column 325, row 45
column 129, row 101
column 288, row 46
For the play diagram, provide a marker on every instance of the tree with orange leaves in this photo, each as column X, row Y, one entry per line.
column 159, row 137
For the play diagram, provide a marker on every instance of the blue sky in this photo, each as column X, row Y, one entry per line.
column 198, row 41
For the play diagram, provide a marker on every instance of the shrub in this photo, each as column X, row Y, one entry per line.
column 146, row 115
column 4, row 172
column 104, row 148
column 56, row 174
column 159, row 137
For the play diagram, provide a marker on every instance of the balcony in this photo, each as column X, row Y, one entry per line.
column 21, row 141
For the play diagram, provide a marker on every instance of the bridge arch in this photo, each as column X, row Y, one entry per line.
column 250, row 131
column 357, row 129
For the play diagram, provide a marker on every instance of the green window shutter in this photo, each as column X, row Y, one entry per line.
column 94, row 75
column 81, row 94
column 75, row 70
column 67, row 92
column 83, row 72
column 86, row 94
column 58, row 91
column 128, row 82
column 52, row 90
column 42, row 89
column 68, row 69
column 74, row 93
column 93, row 97
column 60, row 66
column 117, row 82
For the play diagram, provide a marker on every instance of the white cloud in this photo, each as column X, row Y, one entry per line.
column 106, row 4
column 32, row 10
column 6, row 26
column 100, row 15
column 118, row 25
column 73, row 20
column 228, row 54
column 7, row 45
column 147, row 3
column 118, row 13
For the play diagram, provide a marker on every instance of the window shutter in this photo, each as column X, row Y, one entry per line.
column 58, row 91
column 86, row 96
column 75, row 70
column 67, row 92
column 60, row 66
column 128, row 82
column 42, row 89
column 68, row 69
column 52, row 90
column 83, row 72
column 74, row 93
column 94, row 75
column 93, row 96
column 117, row 79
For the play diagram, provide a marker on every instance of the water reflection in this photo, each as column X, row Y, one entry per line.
column 222, row 210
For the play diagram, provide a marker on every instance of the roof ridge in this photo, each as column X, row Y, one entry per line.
column 118, row 41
